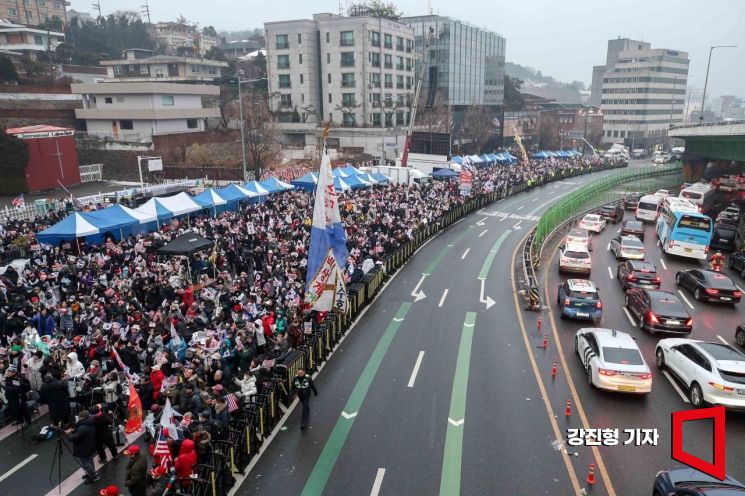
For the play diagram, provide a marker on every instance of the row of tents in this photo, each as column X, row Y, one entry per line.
column 560, row 154
column 507, row 158
column 120, row 221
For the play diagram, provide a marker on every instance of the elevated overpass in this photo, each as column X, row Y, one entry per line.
column 718, row 142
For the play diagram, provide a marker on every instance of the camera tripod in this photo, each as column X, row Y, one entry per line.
column 57, row 457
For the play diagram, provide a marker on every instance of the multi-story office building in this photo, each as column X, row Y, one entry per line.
column 33, row 12
column 466, row 63
column 642, row 93
column 357, row 72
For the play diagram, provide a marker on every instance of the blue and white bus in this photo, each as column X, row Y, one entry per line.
column 683, row 230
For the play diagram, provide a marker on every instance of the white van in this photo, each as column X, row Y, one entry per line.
column 614, row 153
column 648, row 208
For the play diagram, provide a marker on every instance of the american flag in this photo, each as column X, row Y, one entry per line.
column 18, row 201
column 232, row 402
column 161, row 450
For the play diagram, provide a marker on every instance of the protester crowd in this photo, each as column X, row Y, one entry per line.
column 80, row 323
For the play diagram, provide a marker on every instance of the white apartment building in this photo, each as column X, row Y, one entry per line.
column 643, row 93
column 171, row 36
column 137, row 111
column 357, row 72
column 25, row 41
column 141, row 65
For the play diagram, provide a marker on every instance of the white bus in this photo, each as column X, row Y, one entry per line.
column 683, row 230
column 702, row 194
column 648, row 208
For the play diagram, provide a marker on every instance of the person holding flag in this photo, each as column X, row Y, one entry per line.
column 328, row 247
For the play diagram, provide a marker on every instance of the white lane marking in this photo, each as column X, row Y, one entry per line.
column 610, row 273
column 685, row 299
column 675, row 385
column 414, row 372
column 481, row 222
column 607, row 248
column 465, row 253
column 378, row 482
column 628, row 314
column 456, row 423
column 658, row 242
column 483, row 232
column 720, row 338
column 17, row 467
column 348, row 415
column 535, row 199
column 521, row 207
column 662, row 262
column 738, row 288
column 442, row 299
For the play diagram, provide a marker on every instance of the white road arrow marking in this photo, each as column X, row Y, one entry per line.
column 417, row 294
column 489, row 302
column 517, row 226
column 456, row 423
column 348, row 415
column 481, row 222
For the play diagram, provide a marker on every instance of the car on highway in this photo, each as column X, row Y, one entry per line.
column 708, row 285
column 723, row 237
column 577, row 235
column 658, row 311
column 612, row 212
column 725, row 219
column 736, row 263
column 662, row 193
column 593, row 223
column 579, row 299
column 627, row 248
column 728, row 183
column 633, row 228
column 734, row 211
column 648, row 208
column 631, row 201
column 637, row 274
column 690, row 482
column 612, row 361
column 575, row 257
column 713, row 373
column 740, row 335
column 661, row 158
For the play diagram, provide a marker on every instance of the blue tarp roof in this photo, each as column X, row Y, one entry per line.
column 457, row 159
column 486, row 158
column 307, row 182
column 209, row 198
column 542, row 154
column 274, row 185
column 69, row 228
column 445, row 173
column 352, row 171
column 355, row 182
column 381, row 178
column 232, row 193
column 256, row 188
column 110, row 219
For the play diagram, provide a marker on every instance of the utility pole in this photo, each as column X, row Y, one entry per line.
column 97, row 6
column 706, row 81
column 146, row 10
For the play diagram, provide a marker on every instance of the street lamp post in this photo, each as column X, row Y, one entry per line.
column 706, row 81
column 240, row 109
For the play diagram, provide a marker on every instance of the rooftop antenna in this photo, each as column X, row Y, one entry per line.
column 97, row 6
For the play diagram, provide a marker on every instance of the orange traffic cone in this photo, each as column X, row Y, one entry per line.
column 545, row 341
column 568, row 409
column 554, row 370
column 591, row 475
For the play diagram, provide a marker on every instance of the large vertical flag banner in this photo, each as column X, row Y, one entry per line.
column 328, row 247
column 134, row 422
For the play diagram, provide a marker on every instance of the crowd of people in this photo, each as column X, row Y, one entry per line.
column 79, row 322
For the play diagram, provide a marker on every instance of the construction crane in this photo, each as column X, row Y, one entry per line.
column 420, row 80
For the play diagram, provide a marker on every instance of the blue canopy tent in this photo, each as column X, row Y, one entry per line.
column 111, row 220
column 575, row 153
column 356, row 182
column 340, row 172
column 71, row 227
column 154, row 208
column 352, row 171
column 274, row 185
column 493, row 157
column 211, row 199
column 341, row 184
column 444, row 174
column 256, row 189
column 562, row 154
column 486, row 158
column 381, row 178
column 233, row 194
column 366, row 176
column 457, row 159
column 542, row 155
column 307, row 182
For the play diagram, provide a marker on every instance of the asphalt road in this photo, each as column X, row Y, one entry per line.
column 469, row 417
column 612, row 410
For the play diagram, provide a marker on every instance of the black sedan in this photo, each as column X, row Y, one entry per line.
column 631, row 201
column 658, row 311
column 637, row 274
column 736, row 262
column 633, row 228
column 708, row 285
column 724, row 237
column 690, row 482
column 612, row 212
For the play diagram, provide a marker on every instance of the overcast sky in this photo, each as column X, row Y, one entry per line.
column 563, row 39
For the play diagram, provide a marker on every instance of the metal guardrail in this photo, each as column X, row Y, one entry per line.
column 91, row 172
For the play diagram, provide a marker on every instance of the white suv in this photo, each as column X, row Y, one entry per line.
column 575, row 258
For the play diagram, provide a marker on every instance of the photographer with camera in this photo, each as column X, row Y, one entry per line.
column 83, row 438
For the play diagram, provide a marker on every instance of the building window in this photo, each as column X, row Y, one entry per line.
column 376, row 119
column 166, row 100
column 347, row 80
column 331, row 100
column 375, row 99
column 408, row 82
column 388, row 100
column 131, row 68
column 409, row 46
column 388, row 41
column 57, row 4
column 285, row 100
column 192, row 124
column 375, row 59
column 194, row 69
column 38, row 40
column 348, row 119
column 347, row 38
column 375, row 80
column 328, row 38
column 283, row 42
column 347, row 59
column 41, row 3
column 388, row 81
column 26, row 2
column 300, row 58
column 328, row 58
column 388, row 64
column 375, row 39
column 328, row 77
column 331, row 117
column 299, row 39
column 284, row 80
column 144, row 70
column 120, row 99
column 126, row 125
column 301, row 79
column 283, row 61
column 302, row 98
column 29, row 14
column 348, row 99
column 408, row 64
column 399, row 43
column 399, row 82
column 108, row 99
column 399, row 63
column 399, row 118
column 389, row 119
column 12, row 12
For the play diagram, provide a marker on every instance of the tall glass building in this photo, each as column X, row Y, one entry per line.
column 466, row 62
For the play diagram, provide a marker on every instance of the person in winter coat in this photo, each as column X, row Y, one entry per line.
column 16, row 393
column 247, row 385
column 303, row 384
column 260, row 338
column 73, row 368
column 146, row 393
column 35, row 363
column 156, row 378
column 65, row 319
column 185, row 462
column 83, row 438
column 136, row 479
column 104, row 436
column 54, row 393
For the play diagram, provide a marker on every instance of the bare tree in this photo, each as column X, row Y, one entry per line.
column 261, row 134
column 311, row 111
column 348, row 110
column 476, row 128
